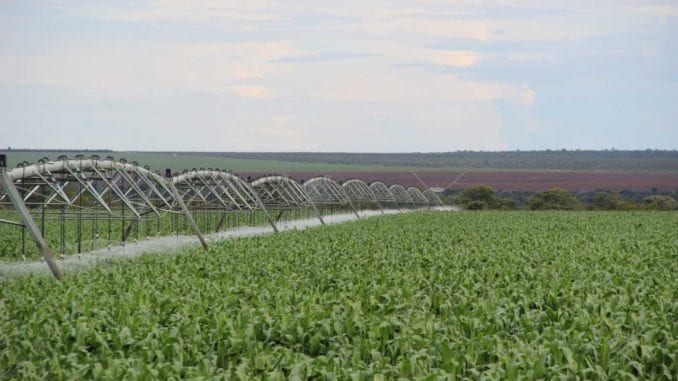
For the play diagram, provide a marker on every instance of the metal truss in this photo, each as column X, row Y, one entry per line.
column 432, row 197
column 89, row 185
column 283, row 193
column 215, row 189
column 401, row 195
column 359, row 192
column 322, row 190
column 417, row 197
column 382, row 194
column 105, row 189
column 86, row 188
column 208, row 189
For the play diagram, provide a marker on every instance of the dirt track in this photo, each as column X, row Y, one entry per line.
column 517, row 180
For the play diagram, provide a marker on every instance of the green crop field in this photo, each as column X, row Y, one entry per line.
column 180, row 161
column 427, row 295
column 613, row 160
column 276, row 162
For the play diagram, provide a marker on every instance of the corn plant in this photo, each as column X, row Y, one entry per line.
column 429, row 296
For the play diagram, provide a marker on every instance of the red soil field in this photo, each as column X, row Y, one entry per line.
column 517, row 180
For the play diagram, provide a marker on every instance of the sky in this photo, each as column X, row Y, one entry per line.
column 351, row 76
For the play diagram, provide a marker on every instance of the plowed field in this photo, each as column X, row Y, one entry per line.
column 517, row 180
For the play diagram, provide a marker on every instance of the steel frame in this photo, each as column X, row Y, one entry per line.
column 98, row 189
column 383, row 195
column 418, row 197
column 433, row 197
column 284, row 193
column 401, row 195
column 322, row 190
column 216, row 189
column 359, row 192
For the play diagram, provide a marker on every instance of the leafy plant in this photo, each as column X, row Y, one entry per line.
column 429, row 295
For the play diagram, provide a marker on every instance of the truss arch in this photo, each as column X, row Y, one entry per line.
column 433, row 197
column 322, row 190
column 381, row 192
column 402, row 197
column 85, row 189
column 359, row 192
column 215, row 189
column 90, row 185
column 417, row 196
column 280, row 192
column 283, row 193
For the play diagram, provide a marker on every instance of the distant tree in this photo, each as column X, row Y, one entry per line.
column 506, row 204
column 554, row 199
column 612, row 201
column 484, row 193
column 476, row 205
column 484, row 197
column 658, row 202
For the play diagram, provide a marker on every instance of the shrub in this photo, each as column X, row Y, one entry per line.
column 553, row 199
column 476, row 205
column 612, row 201
column 658, row 202
column 484, row 197
column 506, row 204
column 484, row 193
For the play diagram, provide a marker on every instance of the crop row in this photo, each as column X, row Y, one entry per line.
column 486, row 295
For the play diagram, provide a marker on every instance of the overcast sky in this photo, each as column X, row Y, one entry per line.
column 342, row 76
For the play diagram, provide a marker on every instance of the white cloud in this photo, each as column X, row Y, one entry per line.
column 252, row 91
column 419, row 26
column 524, row 95
column 245, row 15
column 140, row 70
column 455, row 58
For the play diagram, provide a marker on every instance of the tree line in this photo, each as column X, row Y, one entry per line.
column 482, row 197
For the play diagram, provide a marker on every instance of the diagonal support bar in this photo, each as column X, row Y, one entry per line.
column 18, row 202
column 261, row 206
column 87, row 185
column 187, row 213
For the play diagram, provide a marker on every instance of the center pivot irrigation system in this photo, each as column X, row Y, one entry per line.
column 83, row 201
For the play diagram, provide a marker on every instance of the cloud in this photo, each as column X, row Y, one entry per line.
column 322, row 57
column 528, row 95
column 455, row 58
column 243, row 14
column 413, row 27
column 252, row 91
column 141, row 70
